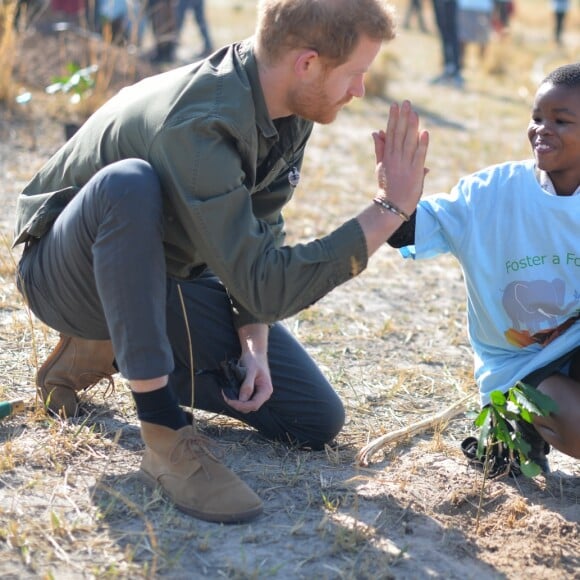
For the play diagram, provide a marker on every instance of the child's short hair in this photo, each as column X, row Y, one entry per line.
column 567, row 75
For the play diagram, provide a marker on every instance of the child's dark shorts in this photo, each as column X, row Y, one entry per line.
column 560, row 365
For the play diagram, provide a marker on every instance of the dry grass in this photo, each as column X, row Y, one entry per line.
column 392, row 342
column 8, row 41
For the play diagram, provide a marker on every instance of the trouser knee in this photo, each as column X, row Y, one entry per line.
column 132, row 187
column 324, row 431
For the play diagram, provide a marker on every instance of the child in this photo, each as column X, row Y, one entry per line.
column 515, row 229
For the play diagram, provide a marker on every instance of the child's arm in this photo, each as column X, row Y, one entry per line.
column 405, row 235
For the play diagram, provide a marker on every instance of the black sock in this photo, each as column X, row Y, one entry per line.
column 160, row 407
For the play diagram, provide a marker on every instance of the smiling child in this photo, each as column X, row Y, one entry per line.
column 515, row 230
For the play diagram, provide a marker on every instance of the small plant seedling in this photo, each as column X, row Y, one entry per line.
column 79, row 81
column 520, row 403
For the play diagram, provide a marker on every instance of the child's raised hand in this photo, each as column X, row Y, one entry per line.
column 400, row 153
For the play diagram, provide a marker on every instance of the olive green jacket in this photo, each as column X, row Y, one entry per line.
column 223, row 166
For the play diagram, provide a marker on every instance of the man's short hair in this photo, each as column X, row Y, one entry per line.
column 567, row 76
column 331, row 27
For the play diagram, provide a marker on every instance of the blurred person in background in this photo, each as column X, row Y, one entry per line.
column 161, row 14
column 446, row 19
column 198, row 9
column 503, row 10
column 415, row 8
column 122, row 20
column 560, row 9
column 474, row 27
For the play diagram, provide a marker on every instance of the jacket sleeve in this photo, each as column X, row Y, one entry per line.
column 277, row 194
column 212, row 217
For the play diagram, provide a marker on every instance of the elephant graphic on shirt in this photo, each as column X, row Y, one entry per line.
column 537, row 305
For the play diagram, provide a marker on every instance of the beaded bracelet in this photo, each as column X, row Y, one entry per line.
column 386, row 204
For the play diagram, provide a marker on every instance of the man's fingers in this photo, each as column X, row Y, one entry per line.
column 410, row 141
column 422, row 147
column 391, row 128
column 402, row 128
column 379, row 141
column 247, row 406
column 251, row 395
column 246, row 390
column 402, row 136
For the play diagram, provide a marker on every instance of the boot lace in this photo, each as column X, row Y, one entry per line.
column 93, row 378
column 194, row 445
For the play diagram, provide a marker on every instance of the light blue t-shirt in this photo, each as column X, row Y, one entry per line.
column 560, row 5
column 519, row 249
column 475, row 5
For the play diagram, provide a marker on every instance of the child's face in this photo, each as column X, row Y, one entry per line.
column 554, row 133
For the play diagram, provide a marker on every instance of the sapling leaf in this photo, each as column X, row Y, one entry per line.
column 526, row 403
column 55, row 87
column 526, row 416
column 481, row 417
column 510, row 416
column 541, row 401
column 529, row 468
column 79, row 80
column 502, row 431
column 520, row 444
column 484, row 434
column 498, row 399
column 520, row 403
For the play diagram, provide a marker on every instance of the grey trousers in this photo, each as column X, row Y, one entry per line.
column 100, row 273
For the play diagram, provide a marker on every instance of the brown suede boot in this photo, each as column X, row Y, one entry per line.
column 193, row 478
column 75, row 364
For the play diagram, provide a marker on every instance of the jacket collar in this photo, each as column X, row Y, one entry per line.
column 247, row 56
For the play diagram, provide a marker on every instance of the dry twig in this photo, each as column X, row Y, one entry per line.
column 363, row 456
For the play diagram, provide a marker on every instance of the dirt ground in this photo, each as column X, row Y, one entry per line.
column 392, row 342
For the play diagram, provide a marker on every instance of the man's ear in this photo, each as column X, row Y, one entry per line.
column 306, row 62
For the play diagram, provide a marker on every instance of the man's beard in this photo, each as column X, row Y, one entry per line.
column 314, row 105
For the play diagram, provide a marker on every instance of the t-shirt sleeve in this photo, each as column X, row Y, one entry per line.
column 441, row 224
